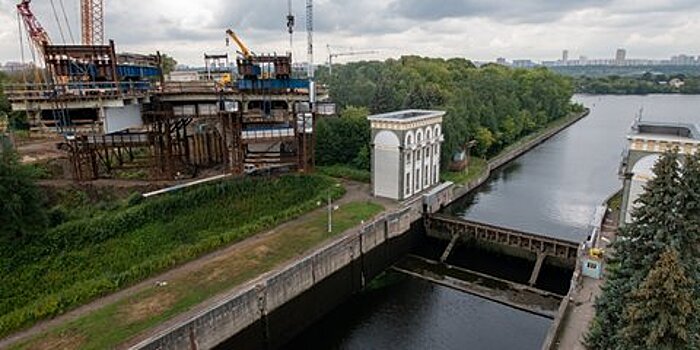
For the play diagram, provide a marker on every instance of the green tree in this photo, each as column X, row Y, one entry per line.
column 167, row 63
column 636, row 249
column 21, row 210
column 343, row 140
column 661, row 312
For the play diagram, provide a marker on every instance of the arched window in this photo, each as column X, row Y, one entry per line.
column 409, row 139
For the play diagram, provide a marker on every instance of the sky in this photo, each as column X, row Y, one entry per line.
column 480, row 30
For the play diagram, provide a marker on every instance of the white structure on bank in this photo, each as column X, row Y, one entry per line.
column 405, row 152
column 647, row 141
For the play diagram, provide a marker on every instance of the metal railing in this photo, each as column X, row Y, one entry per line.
column 76, row 90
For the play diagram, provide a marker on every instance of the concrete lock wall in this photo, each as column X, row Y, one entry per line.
column 256, row 307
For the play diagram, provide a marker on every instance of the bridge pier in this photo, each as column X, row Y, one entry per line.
column 538, row 267
column 448, row 250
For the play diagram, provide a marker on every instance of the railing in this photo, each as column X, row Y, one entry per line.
column 266, row 134
column 77, row 90
column 533, row 242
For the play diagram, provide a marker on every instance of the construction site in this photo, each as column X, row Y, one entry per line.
column 116, row 111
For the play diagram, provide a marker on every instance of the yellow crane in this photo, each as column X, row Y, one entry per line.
column 244, row 49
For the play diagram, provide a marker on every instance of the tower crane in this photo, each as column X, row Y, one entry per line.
column 332, row 55
column 92, row 22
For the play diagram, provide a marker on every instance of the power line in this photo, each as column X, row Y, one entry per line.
column 58, row 22
column 65, row 17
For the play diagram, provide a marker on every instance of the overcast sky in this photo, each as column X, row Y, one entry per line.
column 475, row 29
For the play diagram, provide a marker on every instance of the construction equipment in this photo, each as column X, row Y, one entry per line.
column 290, row 24
column 332, row 55
column 92, row 22
column 36, row 32
column 244, row 49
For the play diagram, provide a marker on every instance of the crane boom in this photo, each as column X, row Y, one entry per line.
column 36, row 32
column 244, row 49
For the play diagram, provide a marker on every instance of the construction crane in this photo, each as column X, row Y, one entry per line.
column 290, row 24
column 92, row 22
column 332, row 55
column 244, row 49
column 310, row 48
column 36, row 32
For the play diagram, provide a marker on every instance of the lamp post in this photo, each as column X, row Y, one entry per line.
column 330, row 214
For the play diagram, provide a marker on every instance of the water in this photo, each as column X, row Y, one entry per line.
column 553, row 189
column 415, row 314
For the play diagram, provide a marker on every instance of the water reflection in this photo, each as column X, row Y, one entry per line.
column 555, row 188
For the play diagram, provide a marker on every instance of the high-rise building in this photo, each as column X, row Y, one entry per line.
column 620, row 55
column 565, row 55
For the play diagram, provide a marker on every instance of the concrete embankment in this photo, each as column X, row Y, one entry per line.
column 269, row 311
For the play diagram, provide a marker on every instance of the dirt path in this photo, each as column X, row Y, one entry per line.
column 355, row 192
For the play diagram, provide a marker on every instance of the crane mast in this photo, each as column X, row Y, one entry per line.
column 92, row 22
column 310, row 48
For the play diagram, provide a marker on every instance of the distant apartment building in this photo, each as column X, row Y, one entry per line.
column 620, row 55
column 565, row 56
column 524, row 64
column 11, row 67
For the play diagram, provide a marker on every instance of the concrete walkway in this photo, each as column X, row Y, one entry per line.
column 581, row 309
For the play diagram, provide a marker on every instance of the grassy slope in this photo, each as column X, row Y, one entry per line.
column 84, row 259
column 121, row 321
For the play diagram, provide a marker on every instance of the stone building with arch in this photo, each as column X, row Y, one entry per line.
column 647, row 141
column 405, row 152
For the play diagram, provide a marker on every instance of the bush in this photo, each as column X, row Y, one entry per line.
column 345, row 172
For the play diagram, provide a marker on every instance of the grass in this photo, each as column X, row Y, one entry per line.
column 124, row 319
column 82, row 259
column 476, row 168
column 345, row 172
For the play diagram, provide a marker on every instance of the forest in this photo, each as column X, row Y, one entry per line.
column 493, row 105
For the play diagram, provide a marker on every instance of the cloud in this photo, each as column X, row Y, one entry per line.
column 522, row 11
column 476, row 29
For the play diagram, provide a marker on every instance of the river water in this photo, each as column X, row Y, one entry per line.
column 553, row 189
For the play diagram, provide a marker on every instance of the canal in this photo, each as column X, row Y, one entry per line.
column 552, row 189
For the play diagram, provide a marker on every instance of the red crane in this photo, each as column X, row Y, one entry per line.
column 36, row 32
column 92, row 22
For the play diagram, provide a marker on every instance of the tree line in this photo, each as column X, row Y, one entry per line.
column 651, row 297
column 492, row 104
column 647, row 83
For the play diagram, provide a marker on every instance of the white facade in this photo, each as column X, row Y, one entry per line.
column 405, row 152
